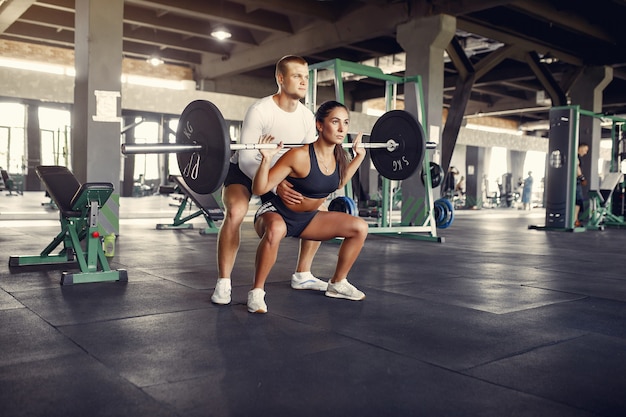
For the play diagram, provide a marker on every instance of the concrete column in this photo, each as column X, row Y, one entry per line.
column 96, row 127
column 474, row 183
column 587, row 93
column 516, row 167
column 97, row 91
column 424, row 40
column 33, row 139
column 126, row 189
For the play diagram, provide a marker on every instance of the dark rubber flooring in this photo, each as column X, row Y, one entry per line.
column 498, row 320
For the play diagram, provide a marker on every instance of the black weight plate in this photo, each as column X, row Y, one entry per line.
column 202, row 123
column 403, row 128
column 340, row 204
column 435, row 175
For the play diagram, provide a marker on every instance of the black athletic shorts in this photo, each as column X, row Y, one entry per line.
column 236, row 176
column 296, row 221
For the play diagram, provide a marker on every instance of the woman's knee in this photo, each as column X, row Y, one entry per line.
column 361, row 227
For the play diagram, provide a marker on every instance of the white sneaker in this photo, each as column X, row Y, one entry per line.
column 343, row 289
column 221, row 295
column 306, row 281
column 256, row 301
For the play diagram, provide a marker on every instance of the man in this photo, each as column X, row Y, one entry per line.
column 283, row 116
column 449, row 182
column 581, row 181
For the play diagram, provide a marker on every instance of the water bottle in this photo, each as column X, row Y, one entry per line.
column 109, row 245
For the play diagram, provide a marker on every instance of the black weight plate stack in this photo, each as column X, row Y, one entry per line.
column 202, row 123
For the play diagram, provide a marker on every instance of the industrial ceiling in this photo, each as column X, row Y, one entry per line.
column 523, row 51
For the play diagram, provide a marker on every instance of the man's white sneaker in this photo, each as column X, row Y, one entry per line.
column 221, row 295
column 343, row 289
column 256, row 301
column 306, row 281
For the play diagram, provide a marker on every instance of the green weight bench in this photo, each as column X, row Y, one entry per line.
column 207, row 207
column 79, row 207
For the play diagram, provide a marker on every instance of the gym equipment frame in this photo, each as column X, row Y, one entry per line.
column 562, row 172
column 79, row 208
column 428, row 229
column 207, row 207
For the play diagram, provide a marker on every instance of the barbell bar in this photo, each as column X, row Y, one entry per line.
column 203, row 148
column 160, row 148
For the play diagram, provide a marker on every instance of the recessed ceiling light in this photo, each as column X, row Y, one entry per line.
column 154, row 60
column 221, row 33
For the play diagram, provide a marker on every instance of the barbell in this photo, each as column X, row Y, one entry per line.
column 203, row 147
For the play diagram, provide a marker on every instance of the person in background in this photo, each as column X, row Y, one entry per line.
column 449, row 182
column 315, row 170
column 581, row 181
column 527, row 191
column 459, row 188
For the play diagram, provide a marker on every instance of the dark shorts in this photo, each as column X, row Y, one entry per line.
column 236, row 176
column 296, row 221
column 580, row 199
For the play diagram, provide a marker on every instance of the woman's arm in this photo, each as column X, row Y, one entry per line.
column 268, row 177
column 359, row 156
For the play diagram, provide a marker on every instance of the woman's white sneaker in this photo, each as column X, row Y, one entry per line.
column 343, row 289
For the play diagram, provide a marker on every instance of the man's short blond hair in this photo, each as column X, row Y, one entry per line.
column 281, row 65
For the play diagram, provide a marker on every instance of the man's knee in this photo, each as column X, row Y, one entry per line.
column 275, row 230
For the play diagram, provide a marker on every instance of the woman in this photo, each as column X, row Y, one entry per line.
column 315, row 170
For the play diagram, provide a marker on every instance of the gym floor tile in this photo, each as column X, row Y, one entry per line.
column 7, row 301
column 25, row 337
column 72, row 385
column 85, row 303
column 470, row 338
column 335, row 383
column 586, row 372
column 484, row 295
column 591, row 315
column 601, row 287
column 178, row 346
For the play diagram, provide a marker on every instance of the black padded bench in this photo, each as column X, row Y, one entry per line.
column 79, row 207
column 207, row 207
column 9, row 184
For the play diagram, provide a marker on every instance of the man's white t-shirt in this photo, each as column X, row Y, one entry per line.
column 265, row 117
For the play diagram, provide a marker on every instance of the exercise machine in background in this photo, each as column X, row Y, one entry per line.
column 562, row 174
column 81, row 236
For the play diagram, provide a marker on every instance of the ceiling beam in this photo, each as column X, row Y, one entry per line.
column 10, row 11
column 363, row 24
column 545, row 11
column 519, row 40
column 328, row 11
column 222, row 11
